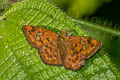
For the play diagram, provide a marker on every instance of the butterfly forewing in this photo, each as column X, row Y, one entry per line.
column 85, row 46
column 39, row 36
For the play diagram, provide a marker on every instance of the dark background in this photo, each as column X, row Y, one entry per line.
column 110, row 11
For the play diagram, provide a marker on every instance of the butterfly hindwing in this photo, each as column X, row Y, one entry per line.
column 50, row 54
column 72, row 59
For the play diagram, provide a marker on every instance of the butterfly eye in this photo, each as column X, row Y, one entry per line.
column 65, row 34
column 39, row 33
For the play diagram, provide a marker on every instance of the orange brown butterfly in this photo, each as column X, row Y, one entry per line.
column 61, row 50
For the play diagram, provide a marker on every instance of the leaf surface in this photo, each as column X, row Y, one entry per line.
column 18, row 62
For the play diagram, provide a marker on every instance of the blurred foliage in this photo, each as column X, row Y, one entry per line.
column 79, row 8
column 5, row 4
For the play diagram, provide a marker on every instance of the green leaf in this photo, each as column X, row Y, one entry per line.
column 18, row 62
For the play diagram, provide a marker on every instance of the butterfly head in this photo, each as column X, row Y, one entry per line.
column 63, row 34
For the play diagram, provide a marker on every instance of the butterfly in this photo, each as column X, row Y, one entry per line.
column 61, row 50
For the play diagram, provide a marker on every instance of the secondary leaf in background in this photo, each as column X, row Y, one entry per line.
column 79, row 8
column 17, row 61
column 5, row 4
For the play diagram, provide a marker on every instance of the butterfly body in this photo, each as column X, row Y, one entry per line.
column 54, row 49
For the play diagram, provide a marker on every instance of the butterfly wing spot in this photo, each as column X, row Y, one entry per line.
column 75, row 45
column 48, row 39
column 38, row 34
column 84, row 47
column 31, row 30
column 37, row 38
column 82, row 41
